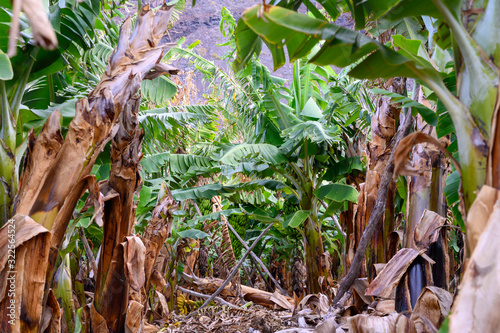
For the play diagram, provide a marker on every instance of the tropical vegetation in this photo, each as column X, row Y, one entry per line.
column 363, row 186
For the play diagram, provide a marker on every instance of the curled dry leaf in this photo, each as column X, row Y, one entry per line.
column 388, row 279
column 158, row 229
column 25, row 228
column 133, row 321
column 162, row 301
column 328, row 326
column 148, row 328
column 42, row 30
column 41, row 153
column 95, row 199
column 281, row 301
column 97, row 321
column 162, row 69
column 479, row 213
column 427, row 230
column 318, row 303
column 191, row 257
column 386, row 306
column 40, row 25
column 401, row 165
column 432, row 307
column 106, row 190
column 359, row 288
column 134, row 252
column 404, row 324
column 51, row 318
column 157, row 282
column 364, row 323
column 378, row 268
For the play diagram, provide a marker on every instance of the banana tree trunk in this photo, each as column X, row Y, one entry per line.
column 158, row 229
column 57, row 171
column 112, row 283
column 474, row 310
column 227, row 261
column 425, row 191
column 348, row 220
column 384, row 126
column 313, row 248
column 316, row 269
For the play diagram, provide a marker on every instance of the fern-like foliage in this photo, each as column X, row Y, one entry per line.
column 231, row 95
column 176, row 127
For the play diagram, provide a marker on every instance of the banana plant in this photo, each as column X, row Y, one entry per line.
column 292, row 178
column 7, row 136
column 473, row 42
column 295, row 147
column 291, row 141
column 41, row 81
column 475, row 59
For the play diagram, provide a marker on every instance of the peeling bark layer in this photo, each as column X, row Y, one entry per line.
column 384, row 126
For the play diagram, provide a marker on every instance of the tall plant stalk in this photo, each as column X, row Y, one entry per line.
column 57, row 171
column 9, row 175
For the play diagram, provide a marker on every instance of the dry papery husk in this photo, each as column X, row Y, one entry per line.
column 42, row 30
column 388, row 279
column 401, row 165
column 431, row 309
column 364, row 323
column 31, row 251
column 426, row 233
column 318, row 303
column 479, row 214
column 432, row 305
column 476, row 307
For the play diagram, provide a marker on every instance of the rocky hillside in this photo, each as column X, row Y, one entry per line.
column 201, row 22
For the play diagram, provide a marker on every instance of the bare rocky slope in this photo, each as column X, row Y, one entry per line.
column 201, row 22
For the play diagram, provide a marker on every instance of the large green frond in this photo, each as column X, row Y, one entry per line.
column 260, row 151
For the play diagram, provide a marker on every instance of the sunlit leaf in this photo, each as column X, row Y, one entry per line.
column 5, row 67
column 296, row 219
column 192, row 233
column 337, row 192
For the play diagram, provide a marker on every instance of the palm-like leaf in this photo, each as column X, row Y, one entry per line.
column 155, row 162
column 309, row 131
column 181, row 164
column 159, row 90
column 171, row 127
column 257, row 151
column 230, row 94
column 212, row 190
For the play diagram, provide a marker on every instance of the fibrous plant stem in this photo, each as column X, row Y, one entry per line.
column 377, row 212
